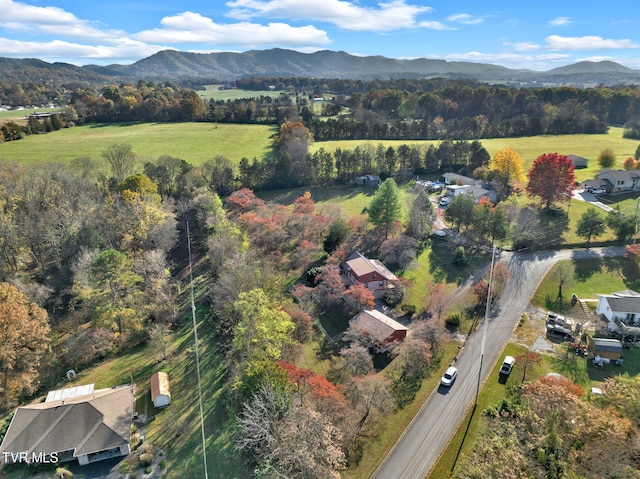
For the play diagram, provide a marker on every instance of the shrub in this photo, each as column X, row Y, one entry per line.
column 453, row 321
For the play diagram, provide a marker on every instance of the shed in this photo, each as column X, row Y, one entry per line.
column 578, row 161
column 606, row 348
column 160, row 393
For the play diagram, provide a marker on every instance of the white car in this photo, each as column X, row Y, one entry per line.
column 440, row 233
column 599, row 191
column 449, row 376
column 445, row 201
column 507, row 365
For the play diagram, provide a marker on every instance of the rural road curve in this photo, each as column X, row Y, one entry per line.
column 421, row 444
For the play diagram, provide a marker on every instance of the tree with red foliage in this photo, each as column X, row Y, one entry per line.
column 330, row 287
column 304, row 204
column 632, row 252
column 303, row 322
column 358, row 297
column 551, row 178
column 527, row 360
column 242, row 201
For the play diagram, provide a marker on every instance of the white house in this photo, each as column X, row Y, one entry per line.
column 622, row 311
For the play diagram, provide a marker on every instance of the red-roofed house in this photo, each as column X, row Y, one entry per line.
column 371, row 273
column 384, row 331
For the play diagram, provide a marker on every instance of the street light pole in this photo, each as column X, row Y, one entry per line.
column 486, row 320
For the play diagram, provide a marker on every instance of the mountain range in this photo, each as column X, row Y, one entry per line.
column 228, row 66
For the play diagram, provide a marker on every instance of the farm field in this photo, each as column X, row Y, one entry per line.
column 192, row 142
column 213, row 92
column 587, row 146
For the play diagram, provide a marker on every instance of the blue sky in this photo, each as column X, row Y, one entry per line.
column 538, row 35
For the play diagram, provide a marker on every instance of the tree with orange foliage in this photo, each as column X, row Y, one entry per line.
column 630, row 164
column 24, row 329
column 358, row 297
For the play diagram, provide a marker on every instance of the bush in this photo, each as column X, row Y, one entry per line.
column 453, row 321
column 409, row 309
column 147, row 455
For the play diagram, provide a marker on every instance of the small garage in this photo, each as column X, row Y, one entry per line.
column 605, row 348
column 160, row 392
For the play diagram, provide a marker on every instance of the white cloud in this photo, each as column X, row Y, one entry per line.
column 58, row 49
column 560, row 22
column 190, row 28
column 388, row 16
column 525, row 47
column 465, row 19
column 513, row 60
column 590, row 42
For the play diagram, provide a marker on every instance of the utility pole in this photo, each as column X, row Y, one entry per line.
column 486, row 320
column 636, row 233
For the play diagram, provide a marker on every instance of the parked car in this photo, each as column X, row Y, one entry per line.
column 507, row 365
column 449, row 376
column 596, row 191
column 440, row 233
column 445, row 200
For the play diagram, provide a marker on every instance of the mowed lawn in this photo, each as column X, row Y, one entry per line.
column 192, row 142
column 587, row 146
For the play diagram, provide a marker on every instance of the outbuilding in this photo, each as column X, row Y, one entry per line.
column 605, row 348
column 160, row 393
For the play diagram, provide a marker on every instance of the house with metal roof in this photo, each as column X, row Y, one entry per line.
column 370, row 273
column 84, row 427
column 383, row 330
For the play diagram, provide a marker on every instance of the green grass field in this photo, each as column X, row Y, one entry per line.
column 587, row 146
column 193, row 142
column 214, row 92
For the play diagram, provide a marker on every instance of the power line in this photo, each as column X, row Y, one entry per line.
column 195, row 335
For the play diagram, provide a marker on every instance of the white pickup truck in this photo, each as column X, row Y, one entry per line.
column 507, row 365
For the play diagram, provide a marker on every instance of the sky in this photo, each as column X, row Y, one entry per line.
column 537, row 35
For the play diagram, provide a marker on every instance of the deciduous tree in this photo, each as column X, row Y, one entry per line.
column 507, row 166
column 264, row 328
column 607, row 158
column 122, row 160
column 24, row 330
column 421, row 214
column 551, row 178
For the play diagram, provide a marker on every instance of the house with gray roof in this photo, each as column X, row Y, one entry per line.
column 86, row 427
column 622, row 312
column 619, row 181
column 578, row 161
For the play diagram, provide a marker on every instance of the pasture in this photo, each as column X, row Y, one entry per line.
column 214, row 92
column 587, row 146
column 192, row 142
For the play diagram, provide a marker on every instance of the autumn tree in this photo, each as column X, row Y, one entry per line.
column 24, row 329
column 385, row 208
column 112, row 292
column 358, row 297
column 506, row 166
column 436, row 300
column 590, row 225
column 122, row 160
column 607, row 158
column 630, row 164
column 551, row 178
column 263, row 329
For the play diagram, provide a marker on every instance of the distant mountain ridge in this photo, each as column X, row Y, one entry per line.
column 228, row 66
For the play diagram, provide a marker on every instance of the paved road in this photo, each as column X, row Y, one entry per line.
column 426, row 437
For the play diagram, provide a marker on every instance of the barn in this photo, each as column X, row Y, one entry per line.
column 160, row 393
